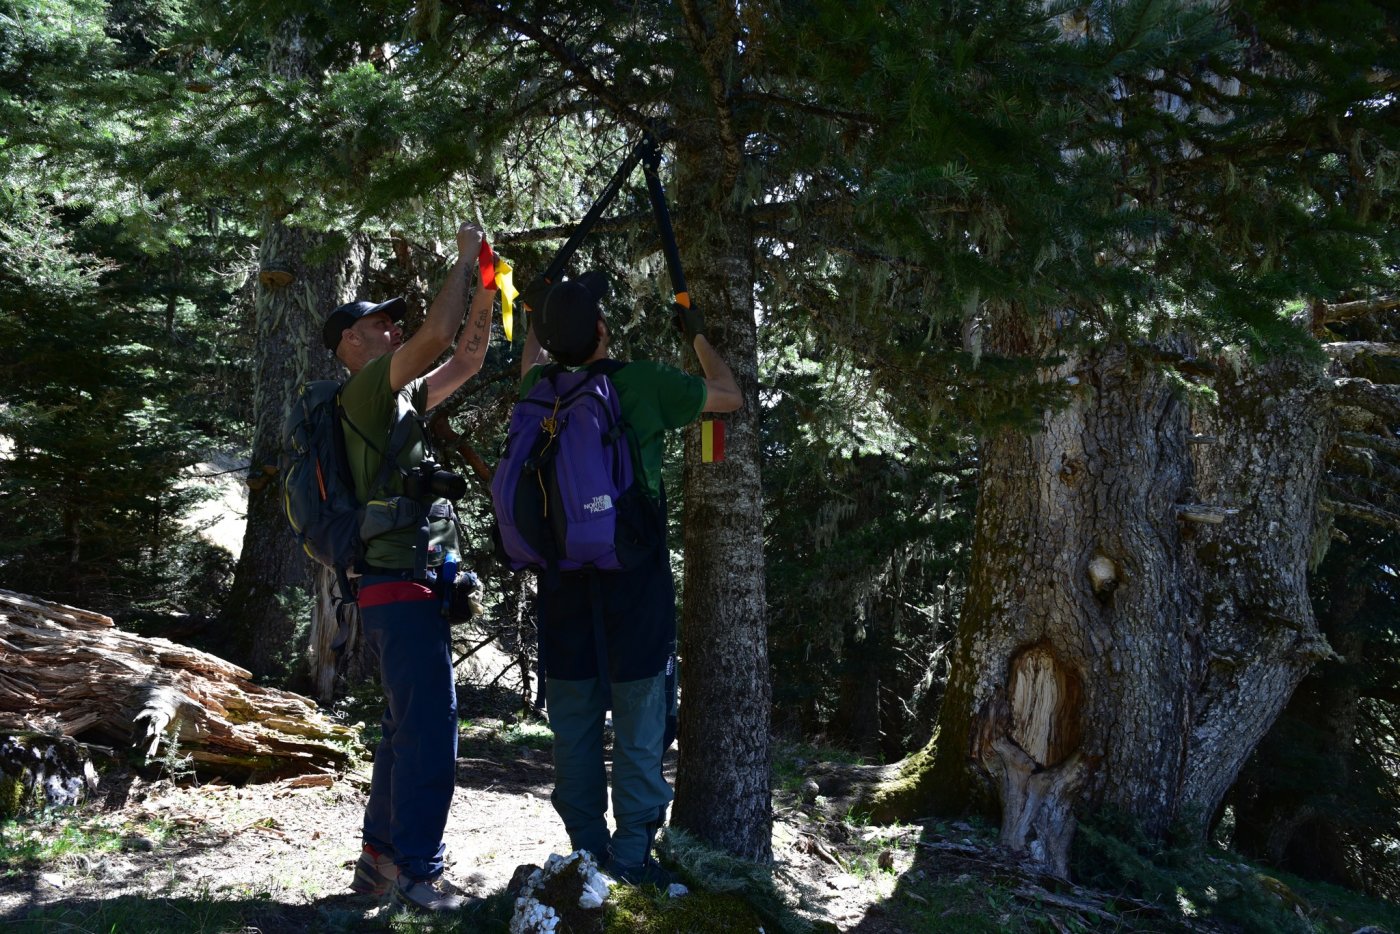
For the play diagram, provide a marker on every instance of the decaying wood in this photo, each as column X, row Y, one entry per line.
column 1205, row 513
column 1346, row 311
column 1387, row 446
column 1347, row 352
column 70, row 672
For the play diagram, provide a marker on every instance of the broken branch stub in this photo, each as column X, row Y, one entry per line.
column 1030, row 739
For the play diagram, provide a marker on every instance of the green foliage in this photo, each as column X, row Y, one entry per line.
column 201, row 915
column 54, row 837
column 529, row 735
column 647, row 910
column 1320, row 796
column 867, row 537
column 109, row 345
column 1196, row 884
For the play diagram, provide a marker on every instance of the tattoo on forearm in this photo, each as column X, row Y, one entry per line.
column 479, row 329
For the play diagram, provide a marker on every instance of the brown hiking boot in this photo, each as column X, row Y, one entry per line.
column 375, row 873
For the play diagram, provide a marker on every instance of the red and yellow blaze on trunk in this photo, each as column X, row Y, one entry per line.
column 711, row 441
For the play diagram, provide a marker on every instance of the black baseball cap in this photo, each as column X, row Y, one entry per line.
column 565, row 316
column 346, row 315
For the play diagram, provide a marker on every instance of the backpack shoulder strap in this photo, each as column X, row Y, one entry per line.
column 606, row 366
column 398, row 438
column 609, row 367
column 342, row 456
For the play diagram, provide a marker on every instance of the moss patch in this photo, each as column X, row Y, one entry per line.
column 647, row 910
column 14, row 799
column 903, row 797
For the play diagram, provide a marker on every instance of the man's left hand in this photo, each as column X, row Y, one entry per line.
column 689, row 321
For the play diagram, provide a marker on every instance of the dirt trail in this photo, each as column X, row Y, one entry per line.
column 283, row 855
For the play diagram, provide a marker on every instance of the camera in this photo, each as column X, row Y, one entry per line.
column 431, row 481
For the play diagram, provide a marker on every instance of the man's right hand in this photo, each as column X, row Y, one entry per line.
column 469, row 237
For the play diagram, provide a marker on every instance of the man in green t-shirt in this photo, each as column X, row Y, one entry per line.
column 415, row 764
column 637, row 616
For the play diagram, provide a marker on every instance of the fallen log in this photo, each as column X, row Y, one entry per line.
column 71, row 672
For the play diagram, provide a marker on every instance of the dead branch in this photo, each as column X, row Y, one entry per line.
column 444, row 432
column 1364, row 394
column 1387, row 446
column 1205, row 513
column 767, row 212
column 1346, row 311
column 1037, row 894
column 1363, row 512
column 1347, row 352
column 621, row 223
column 582, row 72
column 71, row 672
column 1367, row 463
column 789, row 103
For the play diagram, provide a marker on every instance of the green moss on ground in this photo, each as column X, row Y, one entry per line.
column 647, row 910
column 904, row 797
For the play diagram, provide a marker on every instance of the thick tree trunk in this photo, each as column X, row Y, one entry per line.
column 272, row 595
column 722, row 784
column 1124, row 642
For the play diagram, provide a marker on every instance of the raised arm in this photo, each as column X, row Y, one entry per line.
column 444, row 314
column 465, row 361
column 721, row 391
column 533, row 352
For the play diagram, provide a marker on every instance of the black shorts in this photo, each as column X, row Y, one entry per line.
column 639, row 623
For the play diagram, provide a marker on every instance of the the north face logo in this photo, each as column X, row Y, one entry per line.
column 600, row 503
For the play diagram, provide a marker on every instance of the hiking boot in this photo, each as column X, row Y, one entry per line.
column 649, row 872
column 375, row 873
column 430, row 895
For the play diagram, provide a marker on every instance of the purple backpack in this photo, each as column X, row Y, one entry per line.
column 565, row 492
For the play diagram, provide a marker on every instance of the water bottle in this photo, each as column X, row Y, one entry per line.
column 447, row 578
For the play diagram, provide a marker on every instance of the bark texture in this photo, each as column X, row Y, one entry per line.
column 1137, row 613
column 72, row 673
column 272, row 595
column 722, row 785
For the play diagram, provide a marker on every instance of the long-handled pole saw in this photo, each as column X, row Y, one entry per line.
column 647, row 152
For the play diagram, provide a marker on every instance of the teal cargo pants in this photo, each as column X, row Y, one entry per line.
column 640, row 794
column 636, row 612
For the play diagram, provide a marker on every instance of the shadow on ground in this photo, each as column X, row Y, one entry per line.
column 142, row 914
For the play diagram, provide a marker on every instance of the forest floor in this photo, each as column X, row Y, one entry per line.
column 153, row 854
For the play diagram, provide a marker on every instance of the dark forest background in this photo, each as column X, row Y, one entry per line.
column 911, row 225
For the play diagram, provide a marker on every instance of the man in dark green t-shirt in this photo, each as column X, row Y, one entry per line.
column 638, row 608
column 415, row 764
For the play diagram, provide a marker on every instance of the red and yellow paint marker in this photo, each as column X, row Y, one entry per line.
column 711, row 441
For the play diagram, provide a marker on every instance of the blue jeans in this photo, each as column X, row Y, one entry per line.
column 415, row 763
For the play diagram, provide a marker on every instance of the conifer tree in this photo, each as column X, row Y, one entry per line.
column 1088, row 215
column 102, row 323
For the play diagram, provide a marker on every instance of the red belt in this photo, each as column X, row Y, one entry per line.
column 395, row 592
